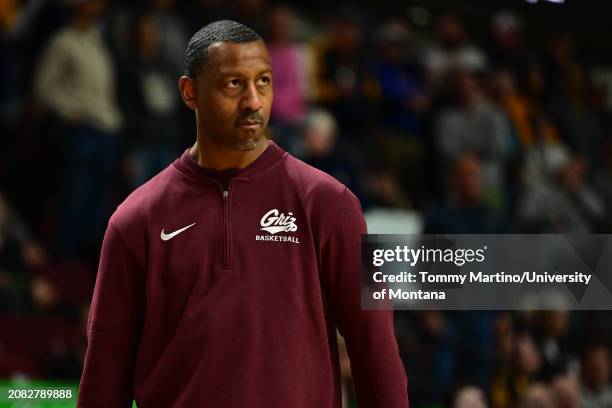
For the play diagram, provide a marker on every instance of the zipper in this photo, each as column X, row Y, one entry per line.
column 226, row 231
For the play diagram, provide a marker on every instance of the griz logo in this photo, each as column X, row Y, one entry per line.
column 274, row 221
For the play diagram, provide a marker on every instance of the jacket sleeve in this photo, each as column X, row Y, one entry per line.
column 378, row 372
column 114, row 324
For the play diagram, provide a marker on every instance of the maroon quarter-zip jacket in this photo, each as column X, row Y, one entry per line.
column 224, row 289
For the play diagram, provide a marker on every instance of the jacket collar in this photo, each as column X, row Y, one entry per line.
column 271, row 156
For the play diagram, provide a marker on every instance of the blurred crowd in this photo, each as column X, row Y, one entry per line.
column 476, row 132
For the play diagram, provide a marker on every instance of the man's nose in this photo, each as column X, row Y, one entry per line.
column 251, row 99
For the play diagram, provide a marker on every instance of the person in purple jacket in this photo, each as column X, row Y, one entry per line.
column 223, row 279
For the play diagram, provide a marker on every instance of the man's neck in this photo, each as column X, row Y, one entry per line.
column 217, row 157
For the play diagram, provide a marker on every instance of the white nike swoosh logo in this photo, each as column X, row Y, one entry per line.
column 166, row 237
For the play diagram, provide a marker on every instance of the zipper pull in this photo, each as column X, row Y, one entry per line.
column 225, row 194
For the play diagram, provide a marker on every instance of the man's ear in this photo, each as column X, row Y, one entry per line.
column 188, row 91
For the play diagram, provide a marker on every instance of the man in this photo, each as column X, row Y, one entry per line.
column 464, row 211
column 75, row 80
column 222, row 280
column 595, row 388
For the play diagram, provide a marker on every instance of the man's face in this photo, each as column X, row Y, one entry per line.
column 234, row 94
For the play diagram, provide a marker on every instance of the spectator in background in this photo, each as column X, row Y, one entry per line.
column 470, row 397
column 475, row 124
column 550, row 329
column 559, row 54
column 75, row 80
column 451, row 52
column 32, row 23
column 477, row 346
column 383, row 188
column 595, row 390
column 150, row 103
column 464, row 212
column 565, row 388
column 514, row 378
column 429, row 348
column 543, row 153
column 290, row 62
column 172, row 44
column 344, row 82
column 532, row 129
column 8, row 14
column 584, row 197
column 508, row 51
column 573, row 114
column 530, row 124
column 398, row 138
column 404, row 100
column 20, row 257
column 538, row 395
column 320, row 149
column 558, row 197
column 501, row 392
column 30, row 282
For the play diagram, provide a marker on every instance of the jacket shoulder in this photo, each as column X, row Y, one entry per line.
column 135, row 209
column 313, row 181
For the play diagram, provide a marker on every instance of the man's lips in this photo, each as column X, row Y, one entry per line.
column 249, row 124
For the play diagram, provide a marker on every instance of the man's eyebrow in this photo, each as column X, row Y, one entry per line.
column 231, row 72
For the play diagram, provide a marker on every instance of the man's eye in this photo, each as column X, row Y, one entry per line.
column 264, row 80
column 234, row 83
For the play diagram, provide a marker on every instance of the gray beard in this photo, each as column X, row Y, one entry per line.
column 249, row 144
